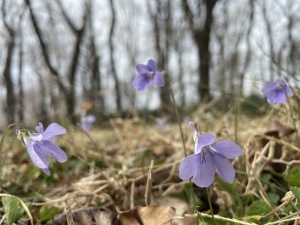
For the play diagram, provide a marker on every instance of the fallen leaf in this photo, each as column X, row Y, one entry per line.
column 276, row 126
column 87, row 106
column 148, row 215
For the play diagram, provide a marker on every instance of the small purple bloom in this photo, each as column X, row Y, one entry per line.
column 277, row 91
column 209, row 158
column 147, row 74
column 40, row 145
column 87, row 122
column 161, row 124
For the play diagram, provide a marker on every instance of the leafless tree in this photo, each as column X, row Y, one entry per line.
column 112, row 59
column 20, row 77
column 10, row 25
column 96, row 79
column 91, row 77
column 200, row 18
column 68, row 89
column 160, row 15
column 293, row 53
column 270, row 38
column 247, row 60
column 232, row 46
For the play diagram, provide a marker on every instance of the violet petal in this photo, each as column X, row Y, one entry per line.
column 47, row 171
column 203, row 140
column 52, row 130
column 205, row 170
column 36, row 154
column 40, row 128
column 141, row 82
column 143, row 69
column 152, row 65
column 269, row 86
column 188, row 166
column 54, row 151
column 228, row 149
column 224, row 168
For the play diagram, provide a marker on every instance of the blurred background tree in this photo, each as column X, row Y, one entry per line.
column 57, row 55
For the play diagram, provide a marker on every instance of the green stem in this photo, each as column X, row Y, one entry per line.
column 236, row 118
column 210, row 205
column 177, row 115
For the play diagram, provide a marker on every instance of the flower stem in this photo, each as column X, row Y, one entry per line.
column 210, row 205
column 177, row 115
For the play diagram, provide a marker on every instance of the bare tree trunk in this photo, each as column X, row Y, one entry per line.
column 204, row 52
column 201, row 35
column 96, row 80
column 164, row 57
column 112, row 60
column 10, row 95
column 43, row 112
column 248, row 56
column 45, row 50
column 270, row 39
column 20, row 80
column 161, row 19
column 97, row 85
column 78, row 33
column 7, row 73
column 179, row 52
column 222, row 59
column 68, row 90
column 292, row 52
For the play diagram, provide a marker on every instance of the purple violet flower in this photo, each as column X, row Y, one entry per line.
column 161, row 124
column 87, row 122
column 147, row 74
column 40, row 145
column 277, row 91
column 209, row 158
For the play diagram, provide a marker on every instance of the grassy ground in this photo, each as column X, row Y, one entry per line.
column 110, row 165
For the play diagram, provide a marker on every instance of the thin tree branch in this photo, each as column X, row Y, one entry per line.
column 44, row 48
column 68, row 19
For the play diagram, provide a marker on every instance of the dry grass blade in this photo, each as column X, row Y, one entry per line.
column 68, row 213
column 149, row 185
column 280, row 141
column 217, row 217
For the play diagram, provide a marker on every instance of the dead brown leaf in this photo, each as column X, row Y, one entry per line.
column 87, row 106
column 148, row 215
column 282, row 130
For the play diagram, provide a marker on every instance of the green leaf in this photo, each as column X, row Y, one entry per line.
column 293, row 177
column 48, row 212
column 225, row 214
column 273, row 197
column 12, row 208
column 202, row 222
column 232, row 189
column 265, row 177
column 258, row 208
column 296, row 192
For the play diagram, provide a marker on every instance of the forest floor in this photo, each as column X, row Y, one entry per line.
column 125, row 171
